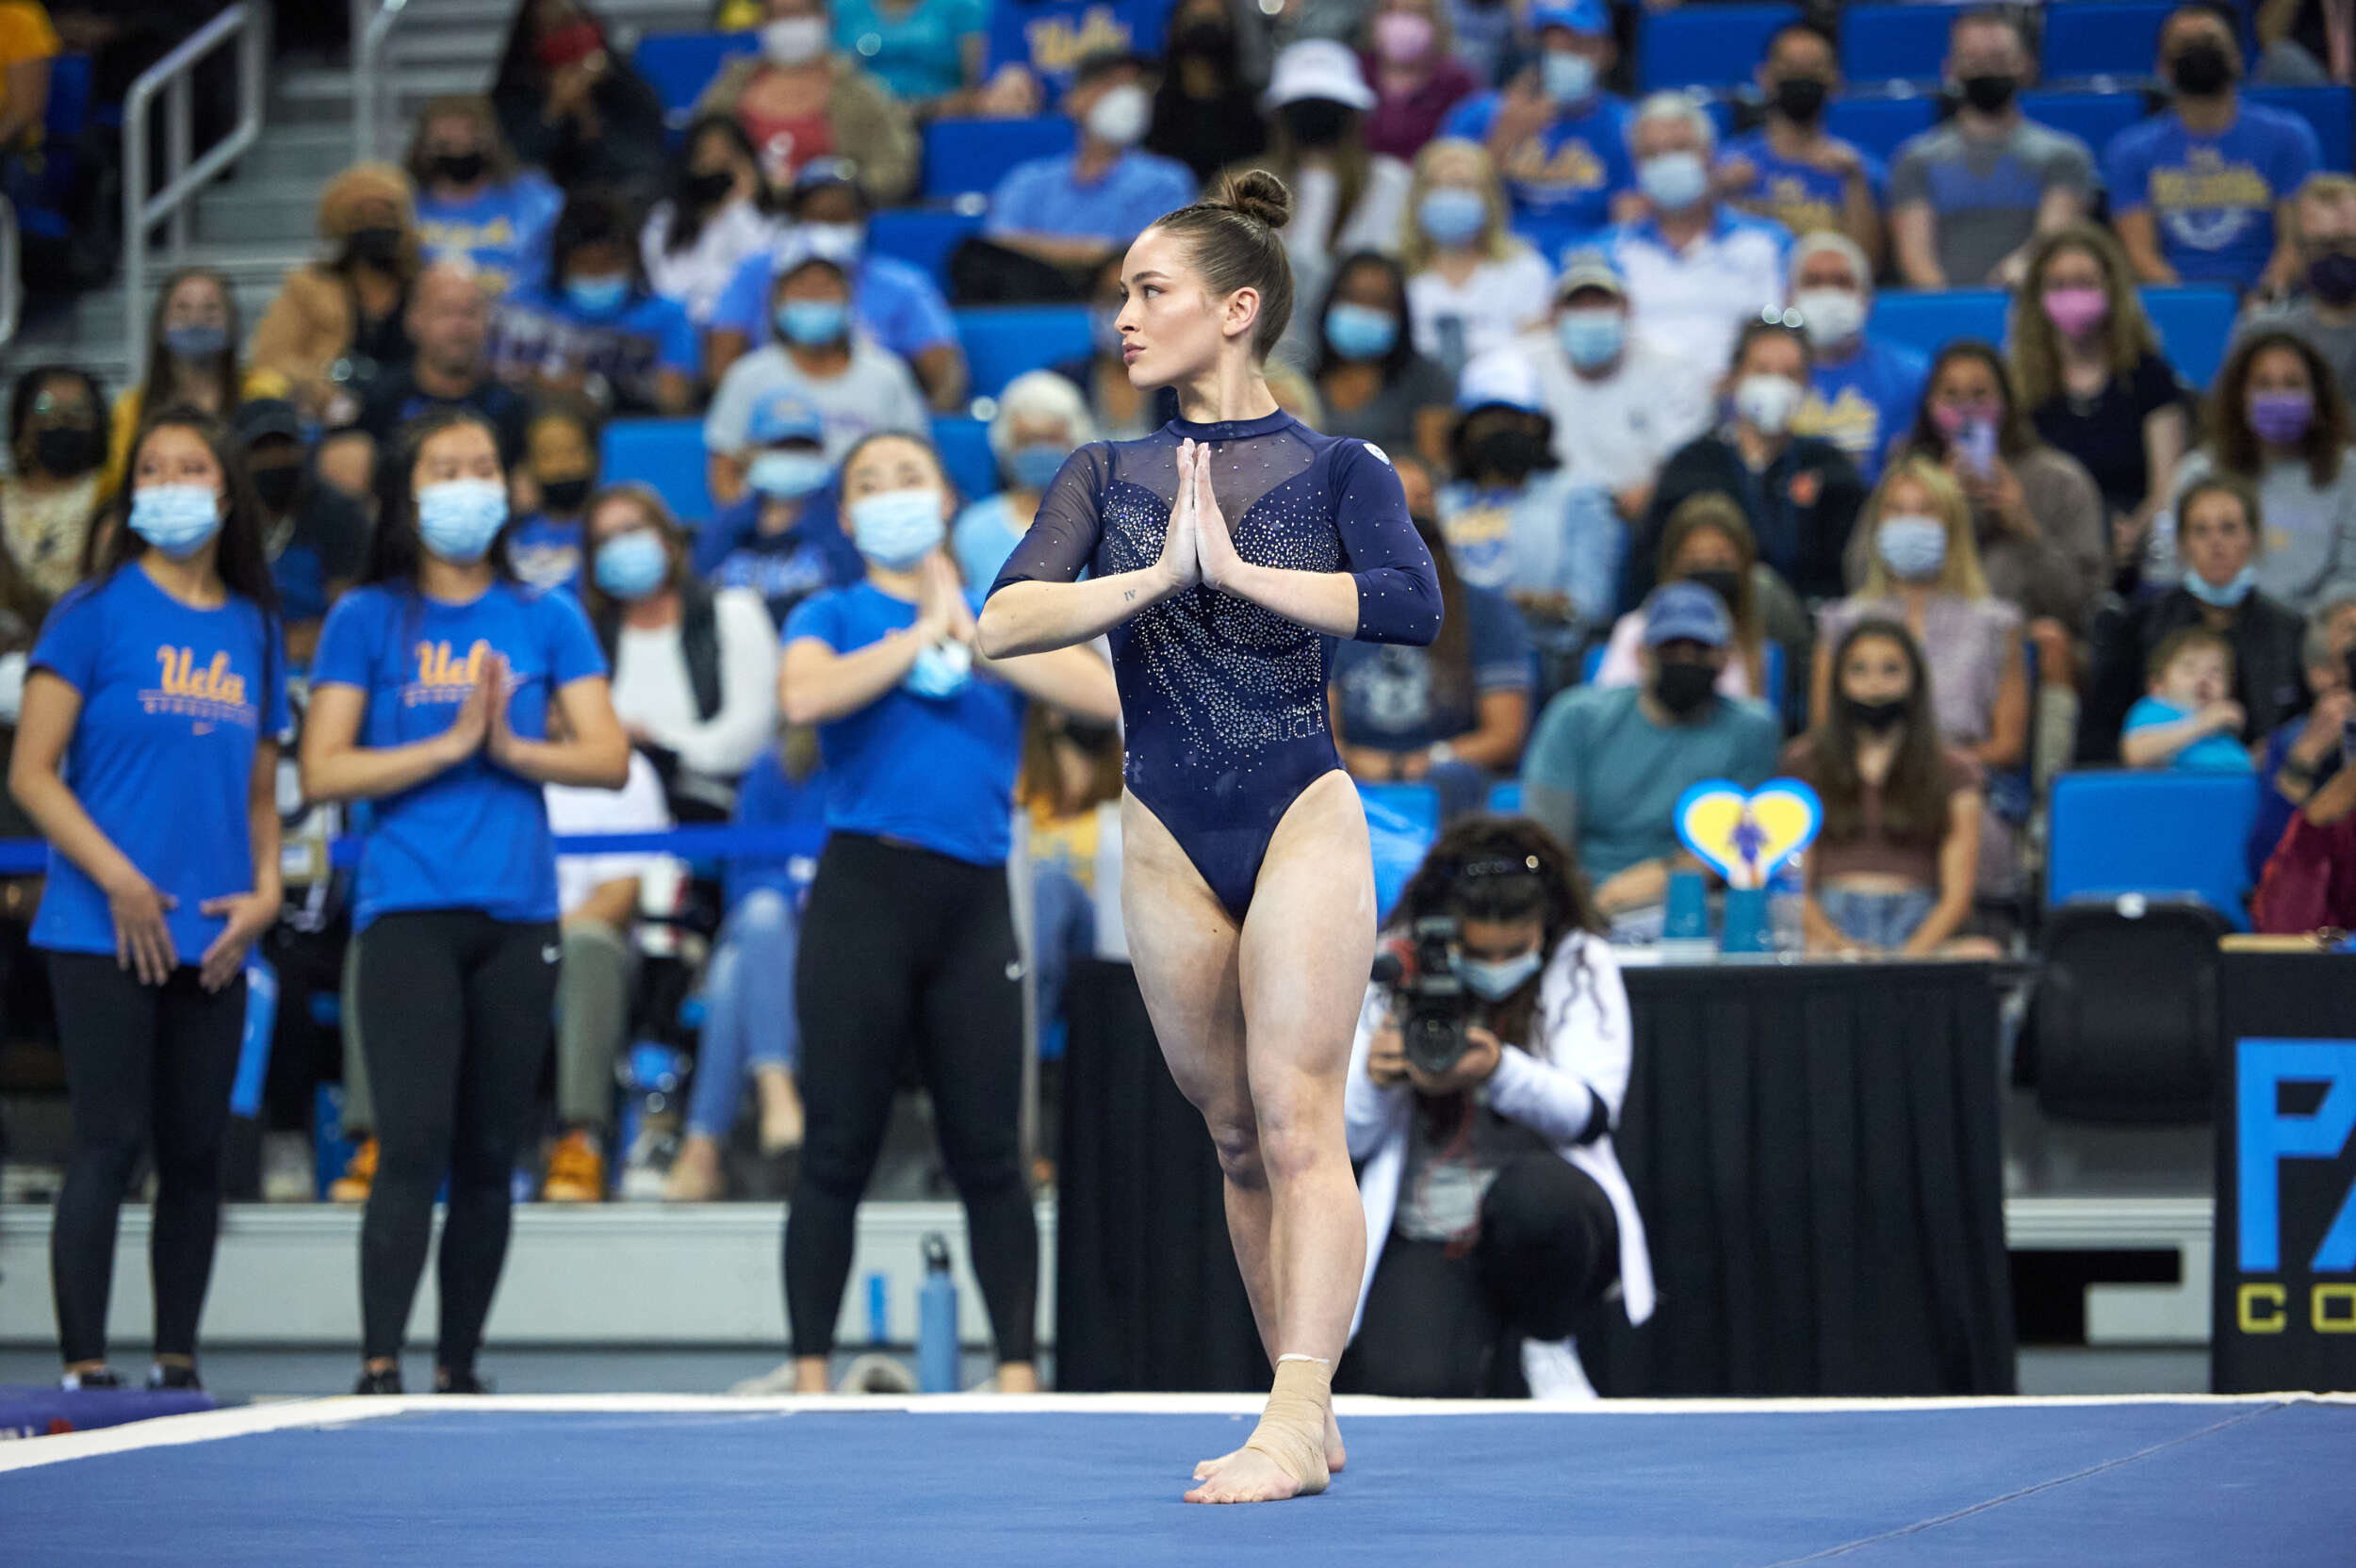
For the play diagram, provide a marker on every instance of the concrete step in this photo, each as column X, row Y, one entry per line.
column 445, row 43
column 298, row 152
column 284, row 211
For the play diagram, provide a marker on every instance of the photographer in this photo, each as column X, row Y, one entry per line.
column 1482, row 1087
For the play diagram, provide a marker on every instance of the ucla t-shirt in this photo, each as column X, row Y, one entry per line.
column 2212, row 197
column 544, row 551
column 1800, row 196
column 537, row 332
column 174, row 702
column 938, row 774
column 504, row 231
column 474, row 836
column 1860, row 405
column 1390, row 700
column 1562, row 179
column 1052, row 36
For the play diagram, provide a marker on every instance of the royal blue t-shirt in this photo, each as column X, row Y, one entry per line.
column 1800, row 196
column 537, row 332
column 1052, row 36
column 175, row 700
column 504, row 231
column 544, row 551
column 765, row 797
column 1859, row 406
column 1562, row 180
column 891, row 302
column 1388, row 696
column 2212, row 197
column 785, row 568
column 474, row 836
column 934, row 773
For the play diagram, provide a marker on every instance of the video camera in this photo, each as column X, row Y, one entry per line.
column 1420, row 971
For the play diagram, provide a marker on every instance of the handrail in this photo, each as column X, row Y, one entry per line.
column 174, row 75
column 12, row 273
column 373, row 23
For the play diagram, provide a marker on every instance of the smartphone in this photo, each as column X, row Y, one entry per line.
column 1977, row 443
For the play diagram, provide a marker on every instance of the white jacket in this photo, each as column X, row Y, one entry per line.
column 1584, row 1048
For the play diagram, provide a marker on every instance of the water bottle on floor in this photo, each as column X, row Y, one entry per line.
column 937, row 1322
column 1787, row 895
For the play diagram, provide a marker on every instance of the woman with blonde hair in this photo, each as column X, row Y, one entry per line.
column 1709, row 541
column 1471, row 284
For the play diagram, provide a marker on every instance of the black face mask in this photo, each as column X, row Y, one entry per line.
column 1511, row 455
column 69, row 451
column 2333, row 276
column 460, row 167
column 1722, row 581
column 564, row 497
column 2201, row 71
column 1315, row 121
column 378, row 246
column 1989, row 94
column 276, row 485
column 1683, row 688
column 1089, row 735
column 1205, row 40
column 707, row 190
column 1874, row 717
column 1801, row 98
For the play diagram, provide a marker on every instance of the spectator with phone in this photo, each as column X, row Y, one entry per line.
column 572, row 107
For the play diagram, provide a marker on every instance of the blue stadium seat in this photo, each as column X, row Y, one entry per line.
column 666, row 453
column 1707, row 46
column 974, row 155
column 1881, row 126
column 2103, row 38
column 965, row 454
column 1003, row 342
column 1505, row 800
column 2093, row 118
column 1401, row 822
column 2194, row 325
column 2329, row 109
column 69, row 84
column 922, row 237
column 1928, row 320
column 679, row 66
column 2152, row 833
column 1589, row 663
column 47, row 197
column 1905, row 42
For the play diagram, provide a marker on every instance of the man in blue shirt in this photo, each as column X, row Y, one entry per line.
column 2202, row 193
column 1036, row 47
column 1559, row 141
column 1788, row 168
column 891, row 302
column 1862, row 391
column 1074, row 211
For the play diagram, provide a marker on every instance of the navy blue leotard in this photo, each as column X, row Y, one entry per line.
column 1223, row 703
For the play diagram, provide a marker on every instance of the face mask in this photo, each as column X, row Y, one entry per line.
column 1989, row 94
column 1801, row 98
column 2076, row 311
column 1874, row 717
column 1674, row 181
column 1121, row 116
column 2281, row 418
column 1361, row 332
column 1205, row 40
column 786, row 475
column 176, row 518
column 69, row 451
column 896, row 528
column 2333, row 276
column 794, row 41
column 460, row 168
column 838, row 242
column 459, row 518
column 633, row 564
column 564, row 497
column 1315, row 121
column 1567, row 78
column 1034, row 467
column 1767, row 402
column 1681, row 688
column 596, row 296
column 378, row 246
column 277, row 485
column 195, row 342
column 705, row 190
column 1510, row 455
column 1953, row 419
column 1402, row 38
column 1591, row 339
column 2201, row 71
column 940, row 671
column 1830, row 316
column 2236, row 588
column 1724, row 581
column 1452, row 215
column 1914, row 548
column 810, row 323
column 1495, row 979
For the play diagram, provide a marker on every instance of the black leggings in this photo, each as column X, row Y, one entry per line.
column 141, row 1063
column 1440, row 1325
column 901, row 947
column 456, row 1008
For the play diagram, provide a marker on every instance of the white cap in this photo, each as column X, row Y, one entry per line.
column 1318, row 68
column 1503, row 375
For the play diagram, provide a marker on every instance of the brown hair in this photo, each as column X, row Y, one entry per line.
column 2184, row 640
column 2036, row 342
column 1039, row 782
column 603, row 608
column 2236, row 447
column 1715, row 511
column 2244, row 495
column 1914, row 793
column 1236, row 245
column 498, row 161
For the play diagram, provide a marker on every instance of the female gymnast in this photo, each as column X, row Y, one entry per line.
column 1246, row 888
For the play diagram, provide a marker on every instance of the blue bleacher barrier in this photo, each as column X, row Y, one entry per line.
column 1707, row 46
column 1906, row 42
column 2153, row 833
column 2194, row 324
column 1881, row 126
column 1505, row 800
column 2331, row 110
column 974, row 155
column 2103, row 38
column 2093, row 118
column 922, row 237
column 1002, row 342
column 1772, row 676
column 1589, row 663
column 666, row 453
column 679, row 66
column 1401, row 822
column 965, row 455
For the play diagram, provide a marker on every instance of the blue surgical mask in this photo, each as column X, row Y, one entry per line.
column 1591, row 337
column 788, row 474
column 195, row 342
column 1361, row 332
column 176, row 518
column 1674, row 181
column 814, row 322
column 1568, row 78
column 2236, row 588
column 596, row 296
column 1495, row 979
column 896, row 528
column 1035, row 464
column 1914, row 548
column 940, row 671
column 460, row 518
column 1452, row 215
column 632, row 565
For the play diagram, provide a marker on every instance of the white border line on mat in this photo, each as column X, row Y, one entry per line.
column 291, row 1414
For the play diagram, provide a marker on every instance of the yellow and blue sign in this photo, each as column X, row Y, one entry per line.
column 1744, row 834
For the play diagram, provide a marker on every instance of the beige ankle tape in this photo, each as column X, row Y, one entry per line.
column 1292, row 1427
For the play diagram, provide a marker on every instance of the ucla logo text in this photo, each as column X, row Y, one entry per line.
column 441, row 676
column 212, row 694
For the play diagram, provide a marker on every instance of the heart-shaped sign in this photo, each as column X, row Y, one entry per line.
column 1745, row 835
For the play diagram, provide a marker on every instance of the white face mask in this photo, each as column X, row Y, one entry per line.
column 1767, row 401
column 793, row 40
column 1830, row 315
column 1122, row 115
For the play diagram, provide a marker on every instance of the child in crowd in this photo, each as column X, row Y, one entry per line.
column 2185, row 721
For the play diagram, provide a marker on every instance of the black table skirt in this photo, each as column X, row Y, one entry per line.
column 1814, row 1149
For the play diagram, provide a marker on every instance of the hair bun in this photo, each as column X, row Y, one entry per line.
column 1257, row 193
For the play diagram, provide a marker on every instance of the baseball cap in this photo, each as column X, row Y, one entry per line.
column 818, row 173
column 1500, row 376
column 1580, row 16
column 1686, row 612
column 1589, row 268
column 1318, row 68
column 260, row 417
column 784, row 416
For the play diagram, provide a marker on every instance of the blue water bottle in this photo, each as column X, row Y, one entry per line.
column 937, row 1322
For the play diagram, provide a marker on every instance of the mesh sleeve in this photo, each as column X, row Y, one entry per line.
column 1398, row 589
column 1062, row 538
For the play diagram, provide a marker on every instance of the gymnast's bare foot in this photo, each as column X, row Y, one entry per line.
column 1248, row 1476
column 1335, row 1455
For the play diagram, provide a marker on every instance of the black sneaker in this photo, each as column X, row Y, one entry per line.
column 461, row 1381
column 175, row 1379
column 387, row 1382
column 103, row 1377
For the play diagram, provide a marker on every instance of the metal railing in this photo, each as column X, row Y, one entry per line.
column 174, row 77
column 373, row 23
column 12, row 273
